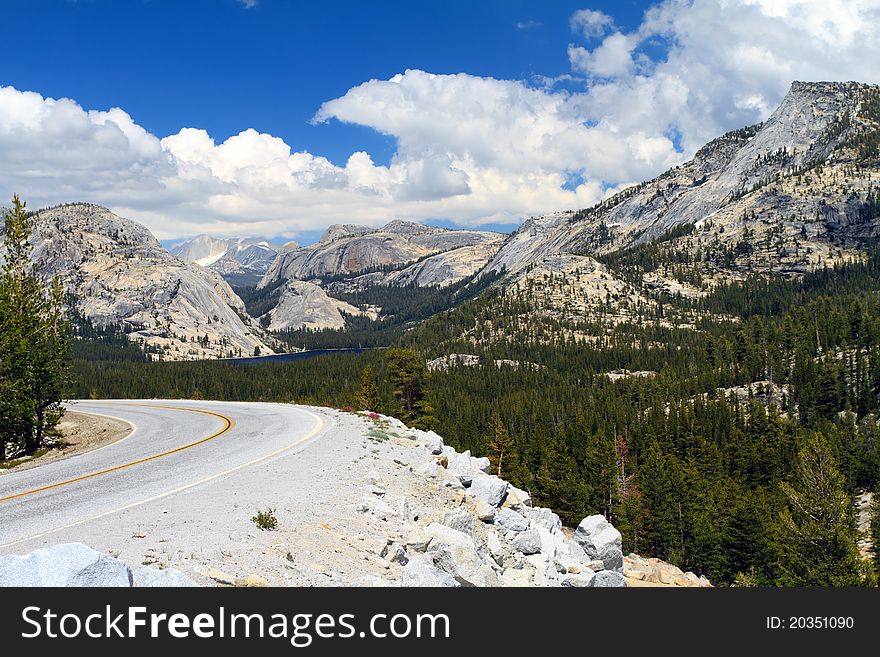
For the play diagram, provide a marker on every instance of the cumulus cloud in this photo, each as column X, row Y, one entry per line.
column 612, row 58
column 470, row 149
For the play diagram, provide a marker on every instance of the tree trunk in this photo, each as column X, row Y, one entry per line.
column 36, row 438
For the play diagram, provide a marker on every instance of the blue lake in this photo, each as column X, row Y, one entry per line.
column 299, row 355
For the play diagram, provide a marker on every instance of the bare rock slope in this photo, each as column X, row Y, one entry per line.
column 119, row 275
column 349, row 250
column 805, row 173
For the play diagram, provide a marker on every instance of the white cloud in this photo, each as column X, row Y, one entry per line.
column 613, row 57
column 591, row 23
column 249, row 4
column 470, row 149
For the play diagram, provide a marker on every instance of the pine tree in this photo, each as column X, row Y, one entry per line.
column 408, row 376
column 33, row 344
column 557, row 482
column 818, row 529
column 368, row 398
column 750, row 547
column 503, row 455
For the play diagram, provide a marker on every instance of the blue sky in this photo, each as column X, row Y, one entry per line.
column 222, row 66
column 280, row 118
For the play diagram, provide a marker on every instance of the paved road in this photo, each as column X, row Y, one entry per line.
column 175, row 446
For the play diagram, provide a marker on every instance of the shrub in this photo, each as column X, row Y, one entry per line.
column 266, row 520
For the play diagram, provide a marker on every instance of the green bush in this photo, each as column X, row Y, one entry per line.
column 266, row 520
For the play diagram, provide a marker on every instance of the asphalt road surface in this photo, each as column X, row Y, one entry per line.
column 176, row 446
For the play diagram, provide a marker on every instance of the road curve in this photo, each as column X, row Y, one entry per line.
column 175, row 446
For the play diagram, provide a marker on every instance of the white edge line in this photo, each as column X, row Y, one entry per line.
column 308, row 436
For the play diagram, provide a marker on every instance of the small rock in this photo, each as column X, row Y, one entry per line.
column 460, row 520
column 527, row 542
column 517, row 499
column 544, row 518
column 508, row 520
column 484, row 511
column 220, row 577
column 596, row 565
column 417, row 541
column 377, row 507
column 609, row 579
column 489, row 488
column 456, row 553
column 421, row 572
column 396, row 554
column 585, row 578
column 539, row 562
column 404, row 510
column 380, row 546
column 517, row 577
column 495, row 546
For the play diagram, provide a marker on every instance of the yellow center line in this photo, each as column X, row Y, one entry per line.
column 229, row 423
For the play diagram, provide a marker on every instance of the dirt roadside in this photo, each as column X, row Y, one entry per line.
column 75, row 434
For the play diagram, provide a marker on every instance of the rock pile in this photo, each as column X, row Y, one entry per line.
column 494, row 536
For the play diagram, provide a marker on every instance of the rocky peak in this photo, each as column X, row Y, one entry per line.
column 339, row 231
column 120, row 275
column 79, row 222
column 402, row 227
